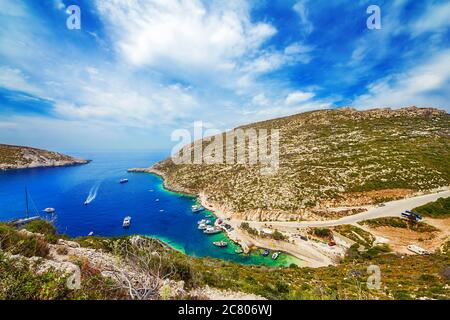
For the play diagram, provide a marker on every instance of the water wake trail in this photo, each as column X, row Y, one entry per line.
column 92, row 193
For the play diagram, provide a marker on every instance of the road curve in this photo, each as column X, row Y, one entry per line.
column 391, row 209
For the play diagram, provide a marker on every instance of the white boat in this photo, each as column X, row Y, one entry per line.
column 416, row 249
column 204, row 221
column 212, row 230
column 275, row 255
column 126, row 222
column 157, row 200
column 49, row 210
column 91, row 234
column 220, row 244
column 122, row 181
column 197, row 208
column 202, row 226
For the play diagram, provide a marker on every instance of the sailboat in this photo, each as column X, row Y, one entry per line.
column 27, row 218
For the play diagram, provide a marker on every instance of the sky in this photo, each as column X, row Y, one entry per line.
column 137, row 70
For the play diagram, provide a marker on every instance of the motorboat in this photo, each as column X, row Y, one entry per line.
column 49, row 210
column 212, row 230
column 126, row 222
column 122, row 181
column 265, row 253
column 275, row 255
column 220, row 244
column 197, row 208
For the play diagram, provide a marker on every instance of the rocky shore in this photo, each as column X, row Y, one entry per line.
column 19, row 157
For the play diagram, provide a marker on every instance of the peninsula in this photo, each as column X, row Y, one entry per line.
column 19, row 157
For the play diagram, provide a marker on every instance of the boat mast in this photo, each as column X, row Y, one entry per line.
column 26, row 201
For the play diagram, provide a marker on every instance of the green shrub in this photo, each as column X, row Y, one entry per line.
column 322, row 232
column 437, row 209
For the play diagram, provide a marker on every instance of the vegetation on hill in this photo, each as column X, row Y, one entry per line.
column 399, row 223
column 409, row 277
column 18, row 157
column 328, row 158
column 356, row 234
column 437, row 209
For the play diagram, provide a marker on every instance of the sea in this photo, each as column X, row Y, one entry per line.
column 155, row 211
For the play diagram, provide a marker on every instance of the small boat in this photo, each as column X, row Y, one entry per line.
column 239, row 251
column 265, row 253
column 275, row 255
column 86, row 203
column 212, row 230
column 202, row 226
column 157, row 200
column 220, row 244
column 162, row 210
column 122, row 181
column 126, row 222
column 197, row 208
column 91, row 234
column 49, row 210
column 204, row 221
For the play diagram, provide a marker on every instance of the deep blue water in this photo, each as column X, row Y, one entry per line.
column 67, row 188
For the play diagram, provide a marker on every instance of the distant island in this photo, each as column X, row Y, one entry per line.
column 20, row 157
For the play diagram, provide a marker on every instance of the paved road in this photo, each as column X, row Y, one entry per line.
column 391, row 209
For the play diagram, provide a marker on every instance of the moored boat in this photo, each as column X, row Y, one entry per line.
column 202, row 226
column 275, row 255
column 239, row 251
column 197, row 208
column 265, row 253
column 212, row 230
column 220, row 244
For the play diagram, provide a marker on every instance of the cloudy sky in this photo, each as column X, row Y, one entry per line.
column 139, row 69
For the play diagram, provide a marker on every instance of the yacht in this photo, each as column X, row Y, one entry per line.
column 126, row 222
column 197, row 208
column 204, row 221
column 220, row 244
column 122, row 181
column 212, row 230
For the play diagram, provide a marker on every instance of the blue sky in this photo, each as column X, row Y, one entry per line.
column 137, row 70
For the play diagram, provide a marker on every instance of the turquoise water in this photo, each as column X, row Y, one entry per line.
column 67, row 188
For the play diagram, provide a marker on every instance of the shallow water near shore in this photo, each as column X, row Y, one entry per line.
column 155, row 211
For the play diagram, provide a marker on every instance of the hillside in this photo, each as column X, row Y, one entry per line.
column 328, row 158
column 18, row 157
column 36, row 263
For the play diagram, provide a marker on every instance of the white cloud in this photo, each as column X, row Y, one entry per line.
column 59, row 4
column 16, row 80
column 436, row 18
column 297, row 97
column 184, row 33
column 425, row 85
column 302, row 11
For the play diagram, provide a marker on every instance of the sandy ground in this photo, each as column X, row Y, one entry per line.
column 400, row 238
